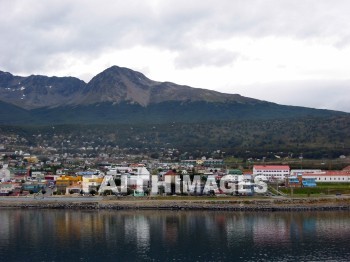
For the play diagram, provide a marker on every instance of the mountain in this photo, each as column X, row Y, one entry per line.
column 121, row 95
column 117, row 84
column 39, row 91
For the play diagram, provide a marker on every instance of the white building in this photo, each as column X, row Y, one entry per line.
column 325, row 176
column 295, row 172
column 139, row 175
column 272, row 172
column 5, row 174
column 136, row 174
column 329, row 176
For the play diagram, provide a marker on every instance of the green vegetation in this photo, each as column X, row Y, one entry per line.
column 159, row 113
column 266, row 140
column 321, row 189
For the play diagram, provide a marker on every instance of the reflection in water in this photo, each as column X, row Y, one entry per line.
column 63, row 235
column 137, row 230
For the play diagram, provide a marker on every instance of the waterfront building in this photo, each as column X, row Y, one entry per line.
column 329, row 176
column 301, row 181
column 324, row 176
column 33, row 187
column 65, row 181
column 295, row 172
column 272, row 172
column 91, row 183
column 9, row 188
column 74, row 188
column 139, row 173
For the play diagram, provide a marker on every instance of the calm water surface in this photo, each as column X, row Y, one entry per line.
column 61, row 235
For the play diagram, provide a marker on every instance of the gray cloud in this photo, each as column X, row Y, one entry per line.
column 33, row 32
column 325, row 94
column 195, row 57
column 37, row 35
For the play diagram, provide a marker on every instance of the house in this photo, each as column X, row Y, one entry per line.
column 38, row 175
column 234, row 172
column 137, row 174
column 65, row 181
column 172, row 180
column 203, row 162
column 32, row 187
column 61, row 171
column 9, row 188
column 170, row 173
column 31, row 159
column 272, row 172
column 91, row 182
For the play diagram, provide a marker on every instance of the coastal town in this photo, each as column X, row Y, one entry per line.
column 27, row 175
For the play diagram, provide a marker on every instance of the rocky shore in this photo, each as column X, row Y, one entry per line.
column 215, row 204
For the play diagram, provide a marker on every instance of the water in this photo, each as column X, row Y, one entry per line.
column 65, row 235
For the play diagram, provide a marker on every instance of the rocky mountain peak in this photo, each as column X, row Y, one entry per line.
column 36, row 91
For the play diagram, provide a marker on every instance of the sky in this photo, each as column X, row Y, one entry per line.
column 293, row 52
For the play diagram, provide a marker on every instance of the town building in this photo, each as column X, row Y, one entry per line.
column 91, row 183
column 329, row 176
column 272, row 172
column 65, row 181
column 9, row 188
column 300, row 181
column 204, row 162
column 326, row 176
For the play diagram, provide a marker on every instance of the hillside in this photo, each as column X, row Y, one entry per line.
column 320, row 138
column 120, row 95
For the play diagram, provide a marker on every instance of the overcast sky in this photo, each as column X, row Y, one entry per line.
column 294, row 52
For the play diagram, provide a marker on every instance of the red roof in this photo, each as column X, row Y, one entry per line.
column 170, row 173
column 328, row 173
column 271, row 167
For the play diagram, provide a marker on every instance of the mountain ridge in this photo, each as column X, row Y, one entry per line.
column 115, row 84
column 122, row 95
column 133, row 86
column 37, row 91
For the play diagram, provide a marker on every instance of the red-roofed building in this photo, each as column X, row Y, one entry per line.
column 170, row 173
column 342, row 176
column 271, row 172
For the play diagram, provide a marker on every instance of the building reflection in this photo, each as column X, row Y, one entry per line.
column 170, row 230
column 137, row 230
column 146, row 231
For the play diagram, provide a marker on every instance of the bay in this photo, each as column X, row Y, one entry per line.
column 80, row 235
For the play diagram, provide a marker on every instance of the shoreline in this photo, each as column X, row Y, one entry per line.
column 215, row 204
